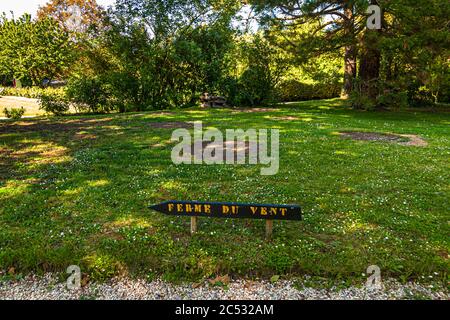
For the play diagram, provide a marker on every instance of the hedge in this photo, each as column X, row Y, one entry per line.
column 294, row 90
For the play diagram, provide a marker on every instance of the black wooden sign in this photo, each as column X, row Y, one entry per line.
column 229, row 210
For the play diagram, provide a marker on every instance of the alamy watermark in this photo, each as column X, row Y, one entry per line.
column 75, row 20
column 74, row 280
column 374, row 280
column 239, row 147
column 374, row 20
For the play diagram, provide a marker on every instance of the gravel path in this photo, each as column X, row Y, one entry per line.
column 49, row 288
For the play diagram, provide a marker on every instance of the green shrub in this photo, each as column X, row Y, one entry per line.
column 89, row 94
column 360, row 100
column 255, row 87
column 124, row 91
column 54, row 102
column 263, row 65
column 420, row 95
column 230, row 88
column 295, row 90
column 368, row 95
column 364, row 93
column 14, row 113
column 395, row 100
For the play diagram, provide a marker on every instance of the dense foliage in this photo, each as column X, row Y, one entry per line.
column 159, row 54
column 404, row 62
column 33, row 50
column 14, row 113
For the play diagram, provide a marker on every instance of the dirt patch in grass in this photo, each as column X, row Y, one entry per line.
column 372, row 136
column 227, row 146
column 171, row 125
column 153, row 114
column 287, row 118
column 163, row 113
column 403, row 139
column 251, row 110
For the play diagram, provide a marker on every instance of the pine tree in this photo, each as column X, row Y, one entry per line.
column 338, row 25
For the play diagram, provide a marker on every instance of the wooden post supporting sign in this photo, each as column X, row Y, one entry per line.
column 194, row 225
column 269, row 229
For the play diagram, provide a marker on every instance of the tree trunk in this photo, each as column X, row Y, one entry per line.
column 349, row 69
column 350, row 52
column 370, row 62
column 369, row 66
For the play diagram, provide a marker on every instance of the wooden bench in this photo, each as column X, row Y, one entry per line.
column 212, row 101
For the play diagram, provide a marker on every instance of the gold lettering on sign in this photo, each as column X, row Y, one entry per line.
column 227, row 209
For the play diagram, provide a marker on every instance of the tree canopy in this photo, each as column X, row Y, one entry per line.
column 413, row 34
column 33, row 50
column 154, row 54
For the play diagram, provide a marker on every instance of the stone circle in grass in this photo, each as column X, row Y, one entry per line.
column 227, row 145
column 403, row 139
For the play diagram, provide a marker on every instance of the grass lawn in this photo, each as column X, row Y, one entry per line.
column 31, row 106
column 75, row 190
